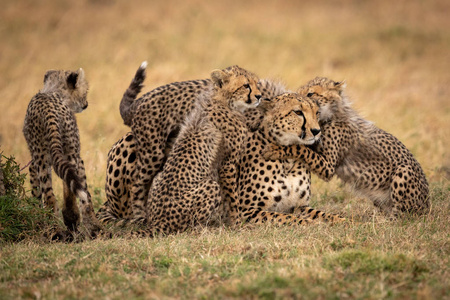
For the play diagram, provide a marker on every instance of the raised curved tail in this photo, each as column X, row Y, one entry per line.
column 130, row 94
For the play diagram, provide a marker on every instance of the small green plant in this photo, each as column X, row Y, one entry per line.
column 13, row 181
column 20, row 216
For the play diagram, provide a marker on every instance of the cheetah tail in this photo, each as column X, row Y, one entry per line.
column 65, row 169
column 130, row 94
column 68, row 173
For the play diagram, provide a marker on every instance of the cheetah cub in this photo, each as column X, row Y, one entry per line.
column 373, row 161
column 188, row 190
column 51, row 132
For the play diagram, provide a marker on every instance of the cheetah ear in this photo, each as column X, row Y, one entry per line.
column 72, row 80
column 218, row 77
column 340, row 85
column 80, row 75
column 47, row 74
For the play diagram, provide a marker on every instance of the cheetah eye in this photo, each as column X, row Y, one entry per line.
column 247, row 86
column 298, row 113
column 310, row 94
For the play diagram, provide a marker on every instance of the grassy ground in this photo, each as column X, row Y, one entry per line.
column 407, row 259
column 395, row 57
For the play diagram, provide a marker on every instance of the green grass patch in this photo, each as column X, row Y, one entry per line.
column 369, row 263
column 20, row 216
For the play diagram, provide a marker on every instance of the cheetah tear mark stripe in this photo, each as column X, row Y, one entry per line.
column 303, row 128
column 304, row 124
column 249, row 97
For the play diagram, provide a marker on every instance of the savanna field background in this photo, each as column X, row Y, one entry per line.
column 395, row 58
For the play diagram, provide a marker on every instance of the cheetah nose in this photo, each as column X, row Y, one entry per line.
column 84, row 107
column 315, row 131
column 258, row 97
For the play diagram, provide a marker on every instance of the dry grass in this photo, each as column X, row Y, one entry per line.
column 405, row 259
column 395, row 57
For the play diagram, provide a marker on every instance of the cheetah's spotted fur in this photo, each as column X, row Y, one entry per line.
column 51, row 132
column 373, row 161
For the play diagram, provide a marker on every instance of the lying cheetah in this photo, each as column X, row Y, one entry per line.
column 373, row 161
column 283, row 185
column 51, row 132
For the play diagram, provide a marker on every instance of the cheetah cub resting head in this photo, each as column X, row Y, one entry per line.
column 329, row 95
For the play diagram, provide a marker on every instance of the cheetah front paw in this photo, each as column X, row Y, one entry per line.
column 272, row 152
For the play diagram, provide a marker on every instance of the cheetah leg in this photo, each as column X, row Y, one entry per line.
column 116, row 210
column 139, row 192
column 314, row 214
column 259, row 216
column 118, row 185
column 110, row 210
column 323, row 165
column 207, row 203
column 45, row 181
column 36, row 191
column 70, row 211
column 145, row 172
column 116, row 207
column 199, row 206
column 228, row 183
column 87, row 209
column 151, row 141
column 408, row 192
column 105, row 215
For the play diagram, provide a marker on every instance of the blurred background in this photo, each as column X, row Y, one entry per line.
column 394, row 56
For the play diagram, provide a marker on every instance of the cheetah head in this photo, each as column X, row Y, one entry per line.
column 328, row 93
column 291, row 120
column 238, row 87
column 73, row 84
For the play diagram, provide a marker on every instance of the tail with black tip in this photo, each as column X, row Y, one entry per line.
column 65, row 169
column 130, row 94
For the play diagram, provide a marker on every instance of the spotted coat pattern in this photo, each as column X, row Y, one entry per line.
column 375, row 163
column 259, row 200
column 155, row 120
column 51, row 132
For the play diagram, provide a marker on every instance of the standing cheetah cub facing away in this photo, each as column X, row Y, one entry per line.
column 376, row 163
column 51, row 132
